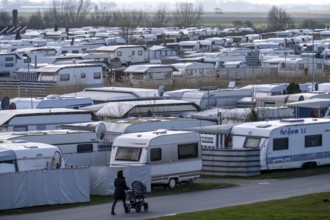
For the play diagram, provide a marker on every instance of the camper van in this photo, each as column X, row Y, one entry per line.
column 16, row 156
column 286, row 143
column 173, row 156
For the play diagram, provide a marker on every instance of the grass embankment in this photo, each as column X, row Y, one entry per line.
column 314, row 206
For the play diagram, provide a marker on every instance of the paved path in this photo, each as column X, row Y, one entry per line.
column 248, row 192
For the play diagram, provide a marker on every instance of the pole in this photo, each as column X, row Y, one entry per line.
column 29, row 86
column 313, row 83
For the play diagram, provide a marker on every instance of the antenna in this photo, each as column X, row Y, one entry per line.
column 5, row 103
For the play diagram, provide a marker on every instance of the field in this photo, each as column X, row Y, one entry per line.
column 259, row 19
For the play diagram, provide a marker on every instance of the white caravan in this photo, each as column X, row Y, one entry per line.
column 287, row 143
column 77, row 146
column 16, row 156
column 173, row 156
column 50, row 101
column 42, row 119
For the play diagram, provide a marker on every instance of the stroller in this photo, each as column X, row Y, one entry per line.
column 136, row 197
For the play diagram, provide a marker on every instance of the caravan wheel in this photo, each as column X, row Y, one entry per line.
column 172, row 183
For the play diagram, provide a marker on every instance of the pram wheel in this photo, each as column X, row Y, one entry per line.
column 145, row 207
column 138, row 208
column 128, row 208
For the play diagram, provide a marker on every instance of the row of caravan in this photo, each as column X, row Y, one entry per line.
column 176, row 156
column 173, row 156
column 283, row 144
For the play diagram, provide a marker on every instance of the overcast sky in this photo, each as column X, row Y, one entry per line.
column 271, row 2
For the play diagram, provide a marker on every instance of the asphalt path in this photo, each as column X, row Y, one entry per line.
column 247, row 192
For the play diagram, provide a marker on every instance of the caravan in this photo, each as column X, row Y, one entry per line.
column 16, row 156
column 173, row 156
column 287, row 143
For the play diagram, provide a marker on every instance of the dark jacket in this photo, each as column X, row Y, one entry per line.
column 120, row 187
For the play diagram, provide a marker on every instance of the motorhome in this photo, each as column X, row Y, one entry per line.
column 286, row 143
column 173, row 156
column 42, row 119
column 17, row 156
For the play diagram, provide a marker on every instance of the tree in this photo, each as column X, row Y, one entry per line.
column 252, row 116
column 311, row 24
column 36, row 21
column 278, row 19
column 186, row 15
column 160, row 18
column 237, row 23
column 5, row 17
column 68, row 12
column 248, row 23
column 293, row 88
column 100, row 17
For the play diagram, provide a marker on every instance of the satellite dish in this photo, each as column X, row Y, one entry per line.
column 161, row 90
column 100, row 130
column 5, row 103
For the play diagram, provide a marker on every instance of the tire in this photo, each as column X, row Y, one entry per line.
column 128, row 208
column 138, row 208
column 172, row 183
column 145, row 207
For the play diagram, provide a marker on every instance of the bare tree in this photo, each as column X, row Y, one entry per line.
column 161, row 17
column 77, row 11
column 278, row 19
column 100, row 17
column 5, row 17
column 186, row 15
column 36, row 21
column 310, row 23
column 69, row 13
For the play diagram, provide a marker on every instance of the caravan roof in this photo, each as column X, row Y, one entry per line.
column 7, row 115
column 264, row 128
column 147, row 107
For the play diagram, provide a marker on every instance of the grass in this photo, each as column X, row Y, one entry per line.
column 313, row 206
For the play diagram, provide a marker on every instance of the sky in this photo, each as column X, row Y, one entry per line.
column 270, row 2
column 300, row 2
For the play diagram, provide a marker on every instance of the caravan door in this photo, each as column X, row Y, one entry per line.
column 279, row 154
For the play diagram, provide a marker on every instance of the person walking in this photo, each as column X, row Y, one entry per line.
column 120, row 187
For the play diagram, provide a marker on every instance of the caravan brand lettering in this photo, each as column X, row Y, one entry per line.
column 289, row 131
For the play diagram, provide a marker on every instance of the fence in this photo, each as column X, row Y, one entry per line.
column 44, row 187
column 224, row 162
column 25, row 89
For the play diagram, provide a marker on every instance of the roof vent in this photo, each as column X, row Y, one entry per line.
column 160, row 131
column 292, row 120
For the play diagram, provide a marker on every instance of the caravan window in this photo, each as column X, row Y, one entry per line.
column 97, row 75
column 64, row 77
column 128, row 154
column 251, row 142
column 155, row 154
column 188, row 151
column 84, row 148
column 280, row 144
column 313, row 140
